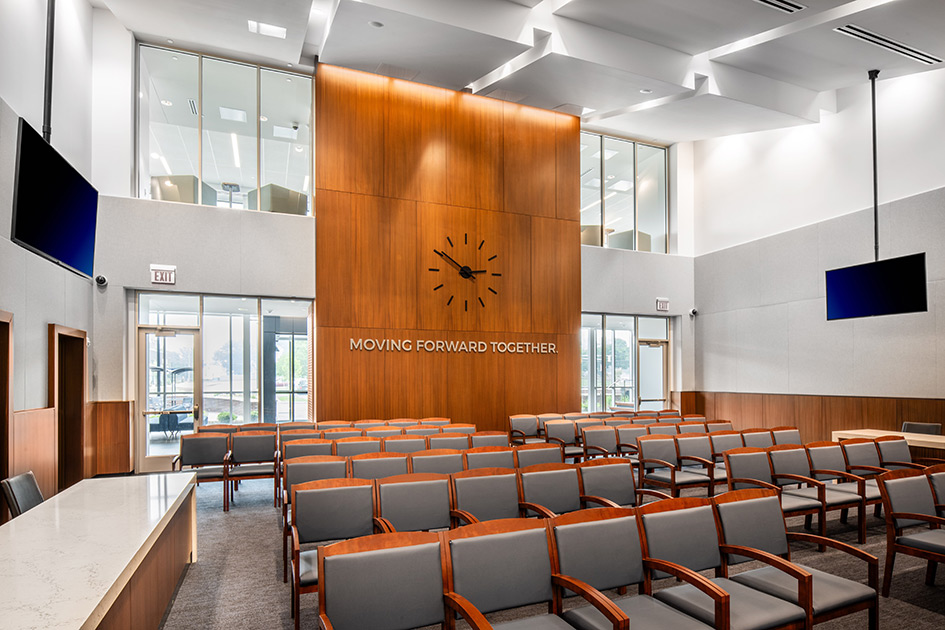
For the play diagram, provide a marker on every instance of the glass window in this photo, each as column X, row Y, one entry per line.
column 619, row 212
column 651, row 198
column 620, row 371
column 168, row 309
column 590, row 189
column 654, row 328
column 230, row 379
column 591, row 362
column 285, row 143
column 285, row 360
column 168, row 129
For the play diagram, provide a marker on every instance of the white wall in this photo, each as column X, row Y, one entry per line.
column 754, row 185
column 113, row 53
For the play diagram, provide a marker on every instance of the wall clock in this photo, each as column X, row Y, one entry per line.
column 466, row 273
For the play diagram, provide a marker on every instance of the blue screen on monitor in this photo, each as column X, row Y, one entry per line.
column 885, row 287
column 54, row 207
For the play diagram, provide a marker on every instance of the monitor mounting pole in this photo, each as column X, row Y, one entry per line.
column 872, row 75
column 47, row 88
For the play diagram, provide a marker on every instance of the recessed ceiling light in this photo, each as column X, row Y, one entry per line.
column 299, row 148
column 587, row 110
column 646, row 91
column 166, row 103
column 263, row 118
column 269, row 30
column 376, row 24
column 231, row 113
column 236, row 150
column 278, row 131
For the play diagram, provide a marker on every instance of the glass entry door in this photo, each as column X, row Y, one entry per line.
column 169, row 393
column 653, row 374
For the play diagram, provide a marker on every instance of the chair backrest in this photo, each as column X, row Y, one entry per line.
column 312, row 468
column 404, row 444
column 442, row 461
column 825, row 455
column 752, row 518
column 688, row 426
column 582, row 423
column 893, row 448
column 341, row 433
column 760, row 438
column 936, row 476
column 930, row 428
column 489, row 457
column 645, row 420
column 459, row 441
column 725, row 440
column 377, row 465
column 786, row 435
column 298, row 434
column 301, row 448
column 204, row 449
column 422, row 429
column 531, row 454
column 382, row 582
column 662, row 428
column 500, row 564
column 525, row 424
column 618, row 420
column 600, row 415
column 369, row 424
column 545, row 417
column 437, row 420
column 22, row 493
column 253, row 446
column 346, row 447
column 414, row 502
column 906, row 491
column 486, row 493
column 383, row 432
column 610, row 478
column 602, row 438
column 718, row 425
column 333, row 509
column 402, row 422
column 747, row 462
column 560, row 432
column 218, row 428
column 788, row 459
column 681, row 531
column 661, row 447
column 693, row 445
column 488, row 438
column 600, row 547
column 860, row 452
column 628, row 433
column 257, row 426
column 332, row 424
column 459, row 427
column 296, row 426
column 575, row 415
column 554, row 486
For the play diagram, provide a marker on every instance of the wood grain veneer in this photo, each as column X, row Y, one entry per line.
column 113, row 430
column 34, row 447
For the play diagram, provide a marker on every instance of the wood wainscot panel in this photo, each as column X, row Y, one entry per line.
column 779, row 410
column 477, row 382
column 556, row 276
column 745, row 411
column 418, row 383
column 35, row 447
column 529, row 160
column 112, row 425
column 415, row 142
column 854, row 412
column 568, row 165
column 920, row 410
column 688, row 403
column 474, row 164
column 705, row 404
column 350, row 114
column 335, row 227
column 810, row 419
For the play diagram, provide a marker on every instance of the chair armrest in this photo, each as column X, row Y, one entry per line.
column 458, row 603
column 631, row 447
column 555, row 440
column 175, row 462
column 911, row 465
column 663, row 463
column 595, row 598
column 600, row 450
column 324, row 623
column 871, row 561
column 755, row 482
column 721, row 598
column 700, row 460
column 463, row 515
column 872, row 469
column 641, row 492
column 931, row 520
column 295, row 542
column 585, row 498
column 799, row 479
column 383, row 526
column 933, row 460
column 837, row 473
column 525, row 506
column 805, row 594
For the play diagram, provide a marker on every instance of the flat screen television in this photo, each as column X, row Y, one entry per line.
column 885, row 287
column 54, row 207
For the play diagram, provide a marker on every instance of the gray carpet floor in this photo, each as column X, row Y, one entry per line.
column 237, row 579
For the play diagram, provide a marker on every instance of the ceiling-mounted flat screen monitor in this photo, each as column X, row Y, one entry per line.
column 885, row 287
column 54, row 207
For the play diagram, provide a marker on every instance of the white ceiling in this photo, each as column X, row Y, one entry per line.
column 706, row 69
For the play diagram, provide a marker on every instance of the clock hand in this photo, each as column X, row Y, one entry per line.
column 477, row 271
column 447, row 257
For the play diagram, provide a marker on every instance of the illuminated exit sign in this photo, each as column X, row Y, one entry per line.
column 163, row 274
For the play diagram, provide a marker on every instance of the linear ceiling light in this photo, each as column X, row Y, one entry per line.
column 236, row 150
column 785, row 6
column 269, row 30
column 862, row 34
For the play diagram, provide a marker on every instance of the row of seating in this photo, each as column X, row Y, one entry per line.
column 331, row 509
column 321, row 426
column 523, row 427
column 492, row 566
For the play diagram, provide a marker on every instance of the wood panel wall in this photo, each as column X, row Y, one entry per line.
column 34, row 446
column 400, row 168
column 113, row 431
column 815, row 416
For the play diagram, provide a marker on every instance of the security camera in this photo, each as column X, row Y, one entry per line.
column 101, row 281
column 295, row 126
column 693, row 312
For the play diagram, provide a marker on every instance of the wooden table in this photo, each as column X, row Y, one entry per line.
column 105, row 553
column 919, row 440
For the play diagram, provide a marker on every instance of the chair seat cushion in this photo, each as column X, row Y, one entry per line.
column 308, row 568
column 718, row 473
column 251, row 470
column 832, row 496
column 209, row 473
column 929, row 540
column 872, row 490
column 831, row 592
column 791, row 502
column 540, row 622
column 573, row 451
column 750, row 609
column 683, row 477
column 646, row 613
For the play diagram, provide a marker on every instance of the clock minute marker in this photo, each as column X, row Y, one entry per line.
column 437, row 287
column 449, row 301
column 450, row 241
column 494, row 257
column 493, row 291
column 481, row 303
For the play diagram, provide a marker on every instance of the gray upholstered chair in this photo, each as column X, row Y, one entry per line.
column 458, row 427
column 683, row 531
column 908, row 501
column 546, row 490
column 322, row 512
column 413, row 502
column 404, row 444
column 662, row 428
column 403, row 422
column 489, row 457
column 937, row 479
column 300, row 470
column 599, row 441
column 602, row 548
column 443, row 461
column 377, row 465
column 22, row 493
column 786, row 435
column 894, row 453
column 753, row 518
column 341, row 433
column 304, row 448
column 506, row 564
column 290, row 435
column 659, row 467
column 618, row 420
column 383, row 432
column 612, row 479
column 217, row 428
column 723, row 441
column 929, row 428
column 694, row 453
column 489, row 438
column 713, row 426
column 862, row 457
column 546, row 417
column 369, row 424
column 484, row 494
column 828, row 464
column 791, row 467
column 691, row 426
column 252, row 455
column 332, row 424
column 531, row 454
column 383, row 582
column 758, row 438
column 458, row 441
column 564, row 434
column 436, row 421
column 645, row 420
column 523, row 429
column 205, row 453
column 627, row 435
column 422, row 429
column 348, row 446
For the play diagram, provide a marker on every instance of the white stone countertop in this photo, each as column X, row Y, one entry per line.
column 63, row 563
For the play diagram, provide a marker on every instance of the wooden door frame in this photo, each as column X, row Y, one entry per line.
column 6, row 412
column 56, row 331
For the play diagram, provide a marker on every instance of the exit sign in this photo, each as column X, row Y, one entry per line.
column 662, row 305
column 163, row 274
